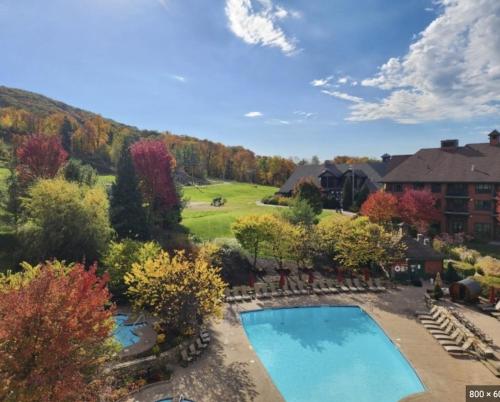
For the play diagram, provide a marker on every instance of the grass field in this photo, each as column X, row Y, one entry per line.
column 207, row 222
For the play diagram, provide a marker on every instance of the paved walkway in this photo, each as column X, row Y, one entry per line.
column 230, row 371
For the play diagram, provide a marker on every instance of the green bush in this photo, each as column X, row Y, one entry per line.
column 119, row 258
column 450, row 274
column 438, row 292
column 463, row 269
column 80, row 173
column 65, row 221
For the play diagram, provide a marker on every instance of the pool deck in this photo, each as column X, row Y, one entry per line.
column 231, row 371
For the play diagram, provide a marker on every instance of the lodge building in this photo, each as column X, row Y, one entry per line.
column 465, row 180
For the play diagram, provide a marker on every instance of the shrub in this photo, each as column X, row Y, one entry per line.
column 489, row 265
column 450, row 273
column 307, row 190
column 64, row 221
column 438, row 292
column 180, row 291
column 119, row 258
column 80, row 173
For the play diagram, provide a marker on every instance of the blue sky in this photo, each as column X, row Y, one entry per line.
column 292, row 77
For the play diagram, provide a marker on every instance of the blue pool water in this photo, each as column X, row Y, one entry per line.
column 124, row 334
column 329, row 354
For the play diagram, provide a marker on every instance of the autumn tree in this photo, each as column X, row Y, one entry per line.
column 360, row 242
column 39, row 157
column 91, row 136
column 417, row 208
column 180, row 291
column 380, row 207
column 65, row 221
column 278, row 244
column 307, row 190
column 54, row 331
column 66, row 133
column 127, row 213
column 118, row 260
column 252, row 231
column 153, row 166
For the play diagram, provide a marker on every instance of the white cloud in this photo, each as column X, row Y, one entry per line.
column 321, row 82
column 343, row 80
column 452, row 70
column 343, row 95
column 179, row 78
column 305, row 115
column 253, row 114
column 163, row 3
column 260, row 27
column 278, row 121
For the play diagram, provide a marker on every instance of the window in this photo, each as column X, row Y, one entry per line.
column 483, row 205
column 438, row 204
column 459, row 189
column 436, row 187
column 395, row 187
column 418, row 186
column 482, row 230
column 483, row 188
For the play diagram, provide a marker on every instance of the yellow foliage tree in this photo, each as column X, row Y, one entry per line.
column 180, row 291
column 251, row 231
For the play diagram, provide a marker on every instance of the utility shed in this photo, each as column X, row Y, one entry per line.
column 466, row 290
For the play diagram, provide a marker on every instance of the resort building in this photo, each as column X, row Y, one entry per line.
column 465, row 180
column 331, row 177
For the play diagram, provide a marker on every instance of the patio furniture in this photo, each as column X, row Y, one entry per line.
column 200, row 345
column 459, row 350
column 237, row 297
column 275, row 292
column 246, row 293
column 445, row 335
column 185, row 358
column 304, row 290
column 331, row 286
column 379, row 286
column 317, row 289
column 228, row 297
column 437, row 320
column 193, row 351
column 358, row 284
column 342, row 287
column 351, row 287
column 371, row 286
column 431, row 327
column 292, row 288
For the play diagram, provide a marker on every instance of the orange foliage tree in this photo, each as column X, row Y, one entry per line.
column 418, row 209
column 380, row 207
column 53, row 333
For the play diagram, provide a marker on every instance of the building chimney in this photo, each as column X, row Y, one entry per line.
column 494, row 138
column 449, row 145
column 386, row 158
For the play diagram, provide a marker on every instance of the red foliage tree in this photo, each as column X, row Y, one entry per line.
column 52, row 333
column 418, row 209
column 153, row 165
column 380, row 207
column 40, row 157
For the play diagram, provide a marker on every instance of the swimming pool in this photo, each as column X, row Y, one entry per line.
column 124, row 334
column 329, row 354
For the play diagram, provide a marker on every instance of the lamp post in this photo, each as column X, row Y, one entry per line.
column 351, row 168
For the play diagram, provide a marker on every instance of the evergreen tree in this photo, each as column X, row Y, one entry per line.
column 66, row 133
column 307, row 190
column 347, row 193
column 127, row 213
column 361, row 196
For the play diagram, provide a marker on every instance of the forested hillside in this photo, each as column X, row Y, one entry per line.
column 97, row 141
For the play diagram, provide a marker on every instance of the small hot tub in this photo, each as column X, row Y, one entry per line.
column 125, row 333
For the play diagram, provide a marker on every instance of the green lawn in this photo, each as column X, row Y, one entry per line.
column 206, row 222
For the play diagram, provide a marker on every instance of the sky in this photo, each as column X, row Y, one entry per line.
column 291, row 77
